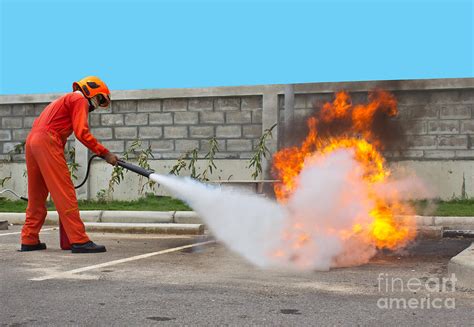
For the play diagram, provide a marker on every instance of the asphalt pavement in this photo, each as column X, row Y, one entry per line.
column 166, row 280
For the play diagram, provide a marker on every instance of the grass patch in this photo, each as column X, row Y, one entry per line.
column 12, row 206
column 460, row 208
column 166, row 203
column 149, row 203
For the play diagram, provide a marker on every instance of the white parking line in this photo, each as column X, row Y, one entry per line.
column 116, row 262
column 14, row 233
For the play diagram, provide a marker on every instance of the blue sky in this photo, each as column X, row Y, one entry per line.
column 137, row 44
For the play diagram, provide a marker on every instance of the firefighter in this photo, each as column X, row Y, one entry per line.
column 47, row 168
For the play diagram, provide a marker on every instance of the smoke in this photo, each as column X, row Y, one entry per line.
column 339, row 204
column 313, row 230
column 330, row 199
column 247, row 224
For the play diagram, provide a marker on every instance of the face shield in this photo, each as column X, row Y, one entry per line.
column 103, row 100
column 93, row 104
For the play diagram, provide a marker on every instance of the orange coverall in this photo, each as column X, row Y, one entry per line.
column 48, row 171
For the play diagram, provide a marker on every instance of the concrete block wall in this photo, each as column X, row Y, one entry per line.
column 438, row 115
column 170, row 126
column 15, row 124
column 439, row 124
column 173, row 126
column 16, row 121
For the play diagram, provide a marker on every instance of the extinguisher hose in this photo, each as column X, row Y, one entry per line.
column 135, row 169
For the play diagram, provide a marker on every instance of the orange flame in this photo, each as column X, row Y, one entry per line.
column 355, row 123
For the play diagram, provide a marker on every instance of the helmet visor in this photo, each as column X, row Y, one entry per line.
column 104, row 100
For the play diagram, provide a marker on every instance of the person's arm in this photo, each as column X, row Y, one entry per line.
column 79, row 114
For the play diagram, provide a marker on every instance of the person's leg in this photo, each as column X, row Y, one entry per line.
column 64, row 242
column 37, row 194
column 58, row 181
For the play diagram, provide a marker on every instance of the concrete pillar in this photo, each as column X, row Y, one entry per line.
column 82, row 157
column 289, row 113
column 269, row 118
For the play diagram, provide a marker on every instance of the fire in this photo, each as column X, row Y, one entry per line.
column 342, row 125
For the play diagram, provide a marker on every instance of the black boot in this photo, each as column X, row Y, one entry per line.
column 36, row 247
column 88, row 247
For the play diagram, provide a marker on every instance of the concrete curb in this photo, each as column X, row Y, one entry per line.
column 97, row 216
column 18, row 218
column 146, row 228
column 429, row 232
column 3, row 225
column 143, row 222
column 458, row 233
column 137, row 216
column 461, row 223
column 462, row 266
column 452, row 223
column 427, row 226
column 187, row 217
column 52, row 217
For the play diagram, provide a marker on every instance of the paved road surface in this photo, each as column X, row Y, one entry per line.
column 208, row 285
